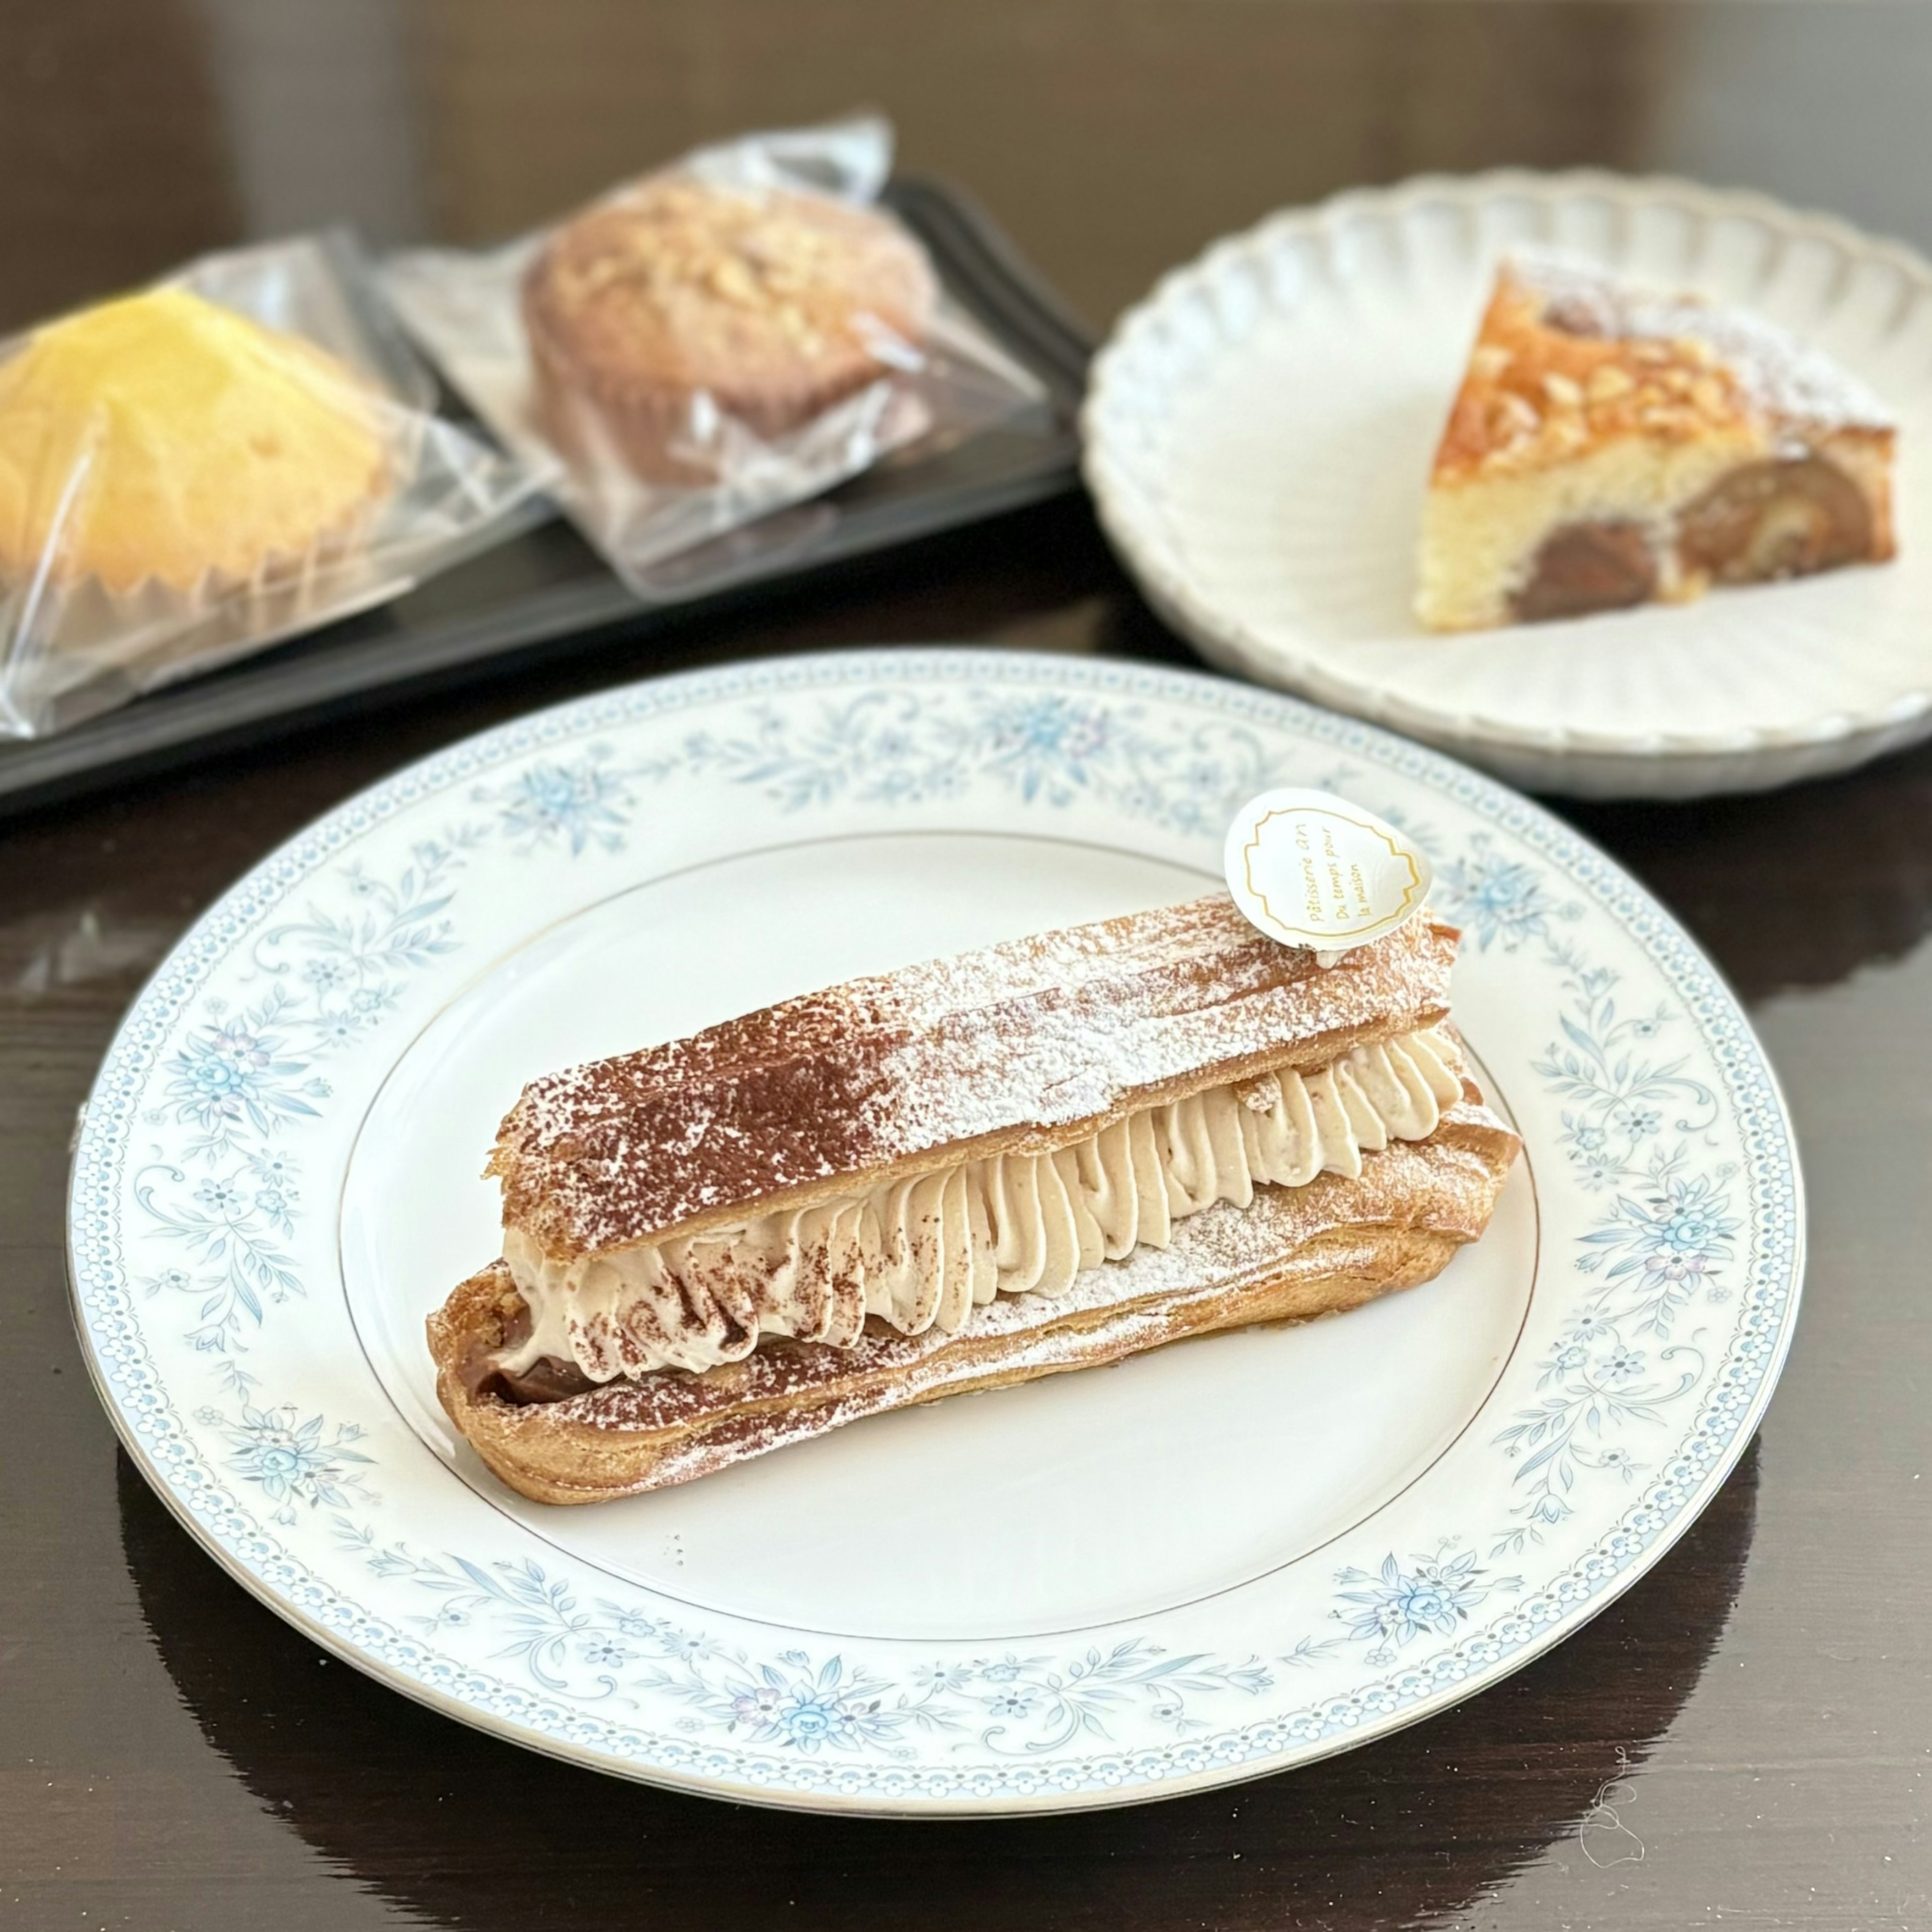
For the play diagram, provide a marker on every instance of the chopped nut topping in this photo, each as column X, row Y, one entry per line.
column 734, row 281
column 1516, row 416
column 1707, row 393
column 1567, row 359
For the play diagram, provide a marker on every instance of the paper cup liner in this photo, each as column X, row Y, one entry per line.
column 86, row 631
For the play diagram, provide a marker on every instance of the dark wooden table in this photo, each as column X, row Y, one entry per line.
column 1743, row 1739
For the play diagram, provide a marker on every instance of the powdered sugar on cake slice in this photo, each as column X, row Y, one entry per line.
column 1782, row 375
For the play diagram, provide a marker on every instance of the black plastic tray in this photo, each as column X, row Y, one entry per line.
column 544, row 584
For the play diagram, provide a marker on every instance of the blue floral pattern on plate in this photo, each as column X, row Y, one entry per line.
column 204, row 1167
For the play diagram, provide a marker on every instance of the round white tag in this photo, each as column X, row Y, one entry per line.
column 1312, row 870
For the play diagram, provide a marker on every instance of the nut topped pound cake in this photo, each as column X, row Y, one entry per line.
column 677, row 306
column 1048, row 1154
column 1609, row 447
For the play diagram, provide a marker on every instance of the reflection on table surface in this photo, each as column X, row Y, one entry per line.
column 476, row 1833
column 1740, row 1740
column 1115, row 137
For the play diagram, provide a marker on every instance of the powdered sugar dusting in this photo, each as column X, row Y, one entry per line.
column 1779, row 373
column 1042, row 1033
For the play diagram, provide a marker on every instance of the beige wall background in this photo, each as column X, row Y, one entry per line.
column 1113, row 137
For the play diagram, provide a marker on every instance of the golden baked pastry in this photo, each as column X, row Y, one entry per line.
column 654, row 314
column 1038, row 1157
column 1609, row 447
column 163, row 439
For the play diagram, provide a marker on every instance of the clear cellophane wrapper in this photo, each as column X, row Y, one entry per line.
column 717, row 469
column 72, row 645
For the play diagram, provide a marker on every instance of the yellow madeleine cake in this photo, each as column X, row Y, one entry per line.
column 163, row 439
column 1609, row 447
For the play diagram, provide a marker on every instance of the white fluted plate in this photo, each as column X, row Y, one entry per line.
column 1258, row 433
column 1208, row 1563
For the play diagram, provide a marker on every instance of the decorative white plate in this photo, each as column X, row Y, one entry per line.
column 1206, row 1564
column 1258, row 433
